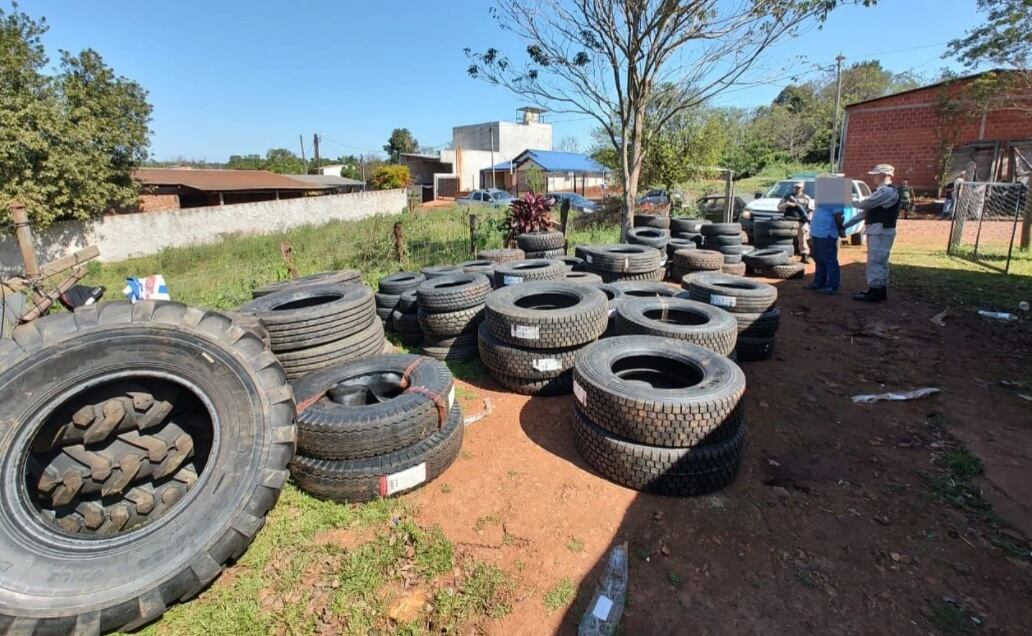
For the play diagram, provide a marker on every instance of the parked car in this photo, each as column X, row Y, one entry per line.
column 488, row 196
column 765, row 206
column 713, row 206
column 577, row 202
column 654, row 198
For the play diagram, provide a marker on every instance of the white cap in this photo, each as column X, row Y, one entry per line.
column 883, row 168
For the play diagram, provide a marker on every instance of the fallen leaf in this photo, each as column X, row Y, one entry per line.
column 657, row 516
column 408, row 608
column 763, row 404
column 899, row 557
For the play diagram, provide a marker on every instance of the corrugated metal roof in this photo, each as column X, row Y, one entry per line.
column 554, row 161
column 222, row 180
column 956, row 80
column 330, row 180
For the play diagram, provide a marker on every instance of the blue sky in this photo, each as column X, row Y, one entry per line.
column 231, row 77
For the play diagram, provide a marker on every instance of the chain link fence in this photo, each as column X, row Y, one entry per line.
column 986, row 219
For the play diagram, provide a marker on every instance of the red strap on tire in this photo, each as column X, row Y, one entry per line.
column 439, row 401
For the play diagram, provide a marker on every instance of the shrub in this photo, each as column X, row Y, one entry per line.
column 390, row 177
column 532, row 213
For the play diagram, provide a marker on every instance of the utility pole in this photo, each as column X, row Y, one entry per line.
column 838, row 100
column 301, row 140
column 490, row 130
column 315, row 145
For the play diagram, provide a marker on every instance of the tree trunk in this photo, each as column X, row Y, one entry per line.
column 632, row 162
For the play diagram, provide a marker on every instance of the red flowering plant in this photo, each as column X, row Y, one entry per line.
column 532, row 213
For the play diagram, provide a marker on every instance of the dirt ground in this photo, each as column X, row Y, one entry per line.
column 833, row 525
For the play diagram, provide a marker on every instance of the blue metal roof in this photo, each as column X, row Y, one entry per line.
column 554, row 161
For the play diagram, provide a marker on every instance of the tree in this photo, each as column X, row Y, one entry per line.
column 1004, row 39
column 569, row 144
column 606, row 58
column 401, row 141
column 68, row 142
column 390, row 177
column 278, row 160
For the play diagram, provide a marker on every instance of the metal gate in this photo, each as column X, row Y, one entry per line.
column 985, row 222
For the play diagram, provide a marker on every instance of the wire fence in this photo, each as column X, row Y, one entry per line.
column 986, row 217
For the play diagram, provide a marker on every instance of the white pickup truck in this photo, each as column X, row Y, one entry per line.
column 765, row 208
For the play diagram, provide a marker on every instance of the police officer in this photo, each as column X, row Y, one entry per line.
column 798, row 206
column 880, row 211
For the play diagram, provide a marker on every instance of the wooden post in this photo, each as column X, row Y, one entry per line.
column 399, row 242
column 288, row 258
column 23, row 234
column 473, row 235
column 564, row 214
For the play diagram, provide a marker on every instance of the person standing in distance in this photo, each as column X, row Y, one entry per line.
column 798, row 206
column 879, row 212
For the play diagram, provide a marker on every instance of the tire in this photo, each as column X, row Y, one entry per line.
column 379, row 415
column 387, row 301
column 400, row 282
column 453, row 292
column 572, row 263
column 856, row 239
column 406, row 323
column 287, row 342
column 585, row 278
column 751, row 349
column 434, row 271
column 370, row 478
column 652, row 220
column 679, row 244
column 408, row 303
column 462, row 347
column 717, row 241
column 728, row 250
column 783, row 272
column 765, row 258
column 689, row 226
column 384, row 313
column 343, row 277
column 655, row 275
column 367, row 342
column 733, row 269
column 309, row 305
column 523, row 362
column 733, row 293
column 698, row 260
column 541, row 241
column 731, row 259
column 718, row 229
column 694, row 322
column 547, row 315
column 520, row 272
column 452, row 323
column 623, row 258
column 638, row 289
column 146, row 363
column 682, row 472
column 503, row 255
column 481, row 266
column 651, row 236
column 547, row 254
column 657, row 391
column 763, row 325
column 561, row 385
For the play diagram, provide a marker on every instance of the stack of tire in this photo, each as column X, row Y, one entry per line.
column 133, row 434
column 479, row 266
column 613, row 297
column 390, row 288
column 688, row 229
column 517, row 272
column 549, row 244
column 405, row 319
column 689, row 261
column 776, row 233
column 679, row 318
column 624, row 262
column 450, row 309
column 375, row 427
column 503, row 255
column 753, row 305
column 659, row 415
column 772, row 263
column 725, row 238
column 660, row 221
column 651, row 236
column 434, row 271
column 315, row 326
column 572, row 263
column 342, row 277
column 532, row 333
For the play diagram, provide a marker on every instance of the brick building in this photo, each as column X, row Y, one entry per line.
column 900, row 129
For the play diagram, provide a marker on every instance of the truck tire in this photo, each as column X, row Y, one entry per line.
column 763, row 325
column 652, row 220
column 343, row 277
column 400, row 282
column 559, row 385
column 759, row 259
column 657, row 391
column 369, row 341
column 452, row 323
column 524, row 362
column 541, row 241
column 547, row 254
column 698, row 260
column 751, row 349
column 503, row 255
column 733, row 269
column 309, row 305
column 479, row 266
column 147, row 364
column 585, row 278
column 651, row 236
column 679, row 244
column 732, row 293
column 694, row 322
column 522, row 271
column 720, row 229
column 685, row 225
column 572, row 263
column 546, row 314
column 371, row 478
column 371, row 407
column 644, row 289
column 623, row 258
column 720, row 240
column 453, row 292
column 461, row 347
column 433, row 271
column 655, row 275
column 783, row 272
column 408, row 302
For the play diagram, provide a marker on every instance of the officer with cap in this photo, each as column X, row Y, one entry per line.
column 798, row 206
column 880, row 211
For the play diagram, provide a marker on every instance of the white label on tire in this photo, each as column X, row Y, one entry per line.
column 587, row 258
column 511, row 280
column 526, row 332
column 451, row 397
column 626, row 263
column 722, row 301
column 578, row 392
column 612, row 310
column 602, row 608
column 546, row 364
column 402, row 480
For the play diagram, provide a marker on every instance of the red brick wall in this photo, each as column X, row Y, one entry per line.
column 158, row 202
column 900, row 130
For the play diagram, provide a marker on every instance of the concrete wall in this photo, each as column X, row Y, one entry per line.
column 510, row 138
column 123, row 236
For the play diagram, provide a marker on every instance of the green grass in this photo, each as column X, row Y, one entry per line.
column 575, row 545
column 947, row 618
column 560, row 595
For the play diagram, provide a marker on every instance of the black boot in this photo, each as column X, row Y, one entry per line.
column 805, row 258
column 872, row 295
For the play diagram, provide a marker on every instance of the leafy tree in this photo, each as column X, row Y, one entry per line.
column 283, row 161
column 246, row 162
column 401, row 140
column 68, row 142
column 607, row 59
column 1004, row 39
column 388, row 177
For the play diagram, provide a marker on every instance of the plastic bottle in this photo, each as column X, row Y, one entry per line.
column 606, row 606
column 997, row 315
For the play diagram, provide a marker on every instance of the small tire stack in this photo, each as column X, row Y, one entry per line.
column 375, row 428
column 532, row 333
column 753, row 305
column 316, row 326
column 405, row 319
column 776, row 233
column 450, row 309
column 690, row 261
column 503, row 255
column 725, row 238
column 688, row 320
column 772, row 263
column 517, row 272
column 659, row 415
column 624, row 262
column 542, row 244
column 688, row 229
column 390, row 288
column 660, row 221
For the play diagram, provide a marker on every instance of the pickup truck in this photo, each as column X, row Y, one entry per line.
column 765, row 207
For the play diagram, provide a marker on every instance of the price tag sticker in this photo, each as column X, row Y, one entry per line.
column 722, row 301
column 602, row 608
column 546, row 364
column 511, row 280
column 451, row 397
column 526, row 332
column 579, row 393
column 402, row 480
column 587, row 258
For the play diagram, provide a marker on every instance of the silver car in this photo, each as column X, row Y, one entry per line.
column 488, row 196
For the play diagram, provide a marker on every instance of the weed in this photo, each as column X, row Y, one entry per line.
column 485, row 591
column 468, row 370
column 575, row 545
column 489, row 520
column 674, row 578
column 806, row 577
column 560, row 595
column 465, row 393
column 445, row 488
column 467, row 455
column 947, row 618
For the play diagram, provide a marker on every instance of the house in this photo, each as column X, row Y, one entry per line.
column 906, row 130
column 561, row 171
column 174, row 188
column 340, row 185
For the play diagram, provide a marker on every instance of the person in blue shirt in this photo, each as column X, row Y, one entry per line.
column 826, row 228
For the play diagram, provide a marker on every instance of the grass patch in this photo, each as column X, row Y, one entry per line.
column 486, row 591
column 674, row 578
column 560, row 595
column 575, row 545
column 947, row 618
column 468, row 370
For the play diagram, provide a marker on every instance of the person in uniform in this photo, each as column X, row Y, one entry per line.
column 798, row 206
column 879, row 213
column 906, row 198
